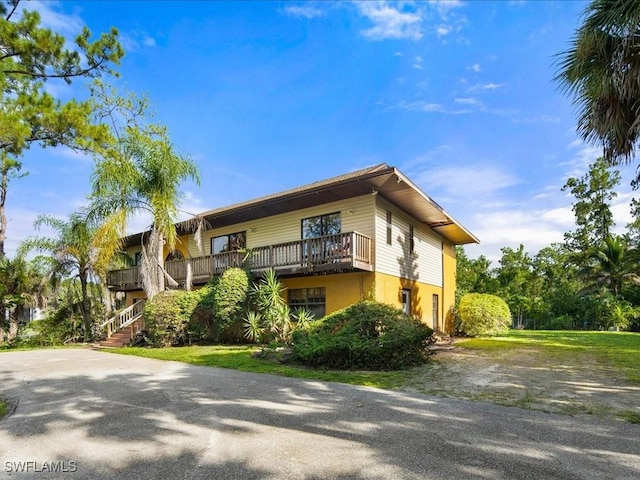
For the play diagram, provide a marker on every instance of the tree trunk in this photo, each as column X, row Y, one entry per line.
column 14, row 322
column 84, row 306
column 107, row 300
column 3, row 197
column 152, row 273
column 3, row 317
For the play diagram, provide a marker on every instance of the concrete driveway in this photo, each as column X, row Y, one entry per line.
column 94, row 415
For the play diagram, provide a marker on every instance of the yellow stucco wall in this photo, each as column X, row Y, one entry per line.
column 449, row 293
column 341, row 291
column 389, row 290
column 133, row 296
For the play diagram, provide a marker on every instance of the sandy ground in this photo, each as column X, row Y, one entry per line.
column 526, row 378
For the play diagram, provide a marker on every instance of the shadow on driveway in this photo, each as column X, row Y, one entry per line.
column 129, row 417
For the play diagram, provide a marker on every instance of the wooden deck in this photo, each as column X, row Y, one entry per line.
column 333, row 253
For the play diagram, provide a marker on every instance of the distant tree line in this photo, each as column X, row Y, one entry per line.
column 591, row 280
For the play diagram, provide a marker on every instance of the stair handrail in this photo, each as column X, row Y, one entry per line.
column 123, row 318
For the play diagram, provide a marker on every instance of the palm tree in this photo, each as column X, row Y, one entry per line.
column 601, row 71
column 143, row 176
column 21, row 286
column 612, row 265
column 73, row 253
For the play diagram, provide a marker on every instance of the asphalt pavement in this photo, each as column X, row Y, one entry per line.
column 85, row 414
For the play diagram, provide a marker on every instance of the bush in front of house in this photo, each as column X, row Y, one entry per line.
column 230, row 303
column 483, row 314
column 366, row 335
column 167, row 318
column 211, row 313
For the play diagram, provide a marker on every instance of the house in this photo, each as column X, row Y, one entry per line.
column 367, row 234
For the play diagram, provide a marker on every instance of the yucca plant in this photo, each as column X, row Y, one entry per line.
column 253, row 329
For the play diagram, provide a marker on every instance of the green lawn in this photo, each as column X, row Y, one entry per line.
column 3, row 408
column 618, row 349
column 239, row 358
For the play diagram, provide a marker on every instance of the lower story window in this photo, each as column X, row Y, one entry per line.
column 312, row 299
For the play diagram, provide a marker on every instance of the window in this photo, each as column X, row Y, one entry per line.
column 436, row 311
column 229, row 243
column 389, row 232
column 406, row 301
column 411, row 239
column 313, row 227
column 312, row 299
column 137, row 259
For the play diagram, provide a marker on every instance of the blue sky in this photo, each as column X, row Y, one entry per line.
column 266, row 96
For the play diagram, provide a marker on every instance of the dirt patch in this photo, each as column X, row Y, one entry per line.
column 532, row 379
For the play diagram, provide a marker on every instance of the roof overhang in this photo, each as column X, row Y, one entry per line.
column 382, row 180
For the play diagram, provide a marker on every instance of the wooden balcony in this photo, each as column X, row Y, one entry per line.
column 329, row 254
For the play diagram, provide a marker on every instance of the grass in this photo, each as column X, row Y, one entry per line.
column 630, row 416
column 4, row 407
column 239, row 358
column 621, row 350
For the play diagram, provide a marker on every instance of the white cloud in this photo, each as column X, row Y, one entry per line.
column 475, row 67
column 391, row 22
column 469, row 101
column 134, row 41
column 303, row 11
column 443, row 30
column 470, row 182
column 485, row 86
column 417, row 63
column 444, row 7
column 510, row 228
column 68, row 25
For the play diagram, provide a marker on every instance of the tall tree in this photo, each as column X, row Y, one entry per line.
column 31, row 56
column 611, row 265
column 593, row 194
column 20, row 287
column 74, row 254
column 145, row 176
column 473, row 275
column 519, row 286
column 600, row 70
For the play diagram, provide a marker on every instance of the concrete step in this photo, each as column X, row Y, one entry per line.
column 118, row 339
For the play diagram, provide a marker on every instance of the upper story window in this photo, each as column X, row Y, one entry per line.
column 412, row 243
column 229, row 243
column 330, row 224
column 389, row 228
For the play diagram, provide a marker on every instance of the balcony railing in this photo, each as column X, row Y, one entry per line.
column 340, row 252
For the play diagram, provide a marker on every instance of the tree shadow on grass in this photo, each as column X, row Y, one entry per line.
column 128, row 417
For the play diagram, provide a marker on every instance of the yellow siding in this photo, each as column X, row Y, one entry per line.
column 425, row 265
column 357, row 214
column 341, row 291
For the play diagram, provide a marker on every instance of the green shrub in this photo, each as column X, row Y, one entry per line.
column 561, row 322
column 366, row 335
column 167, row 318
column 230, row 302
column 483, row 314
column 270, row 317
column 221, row 304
